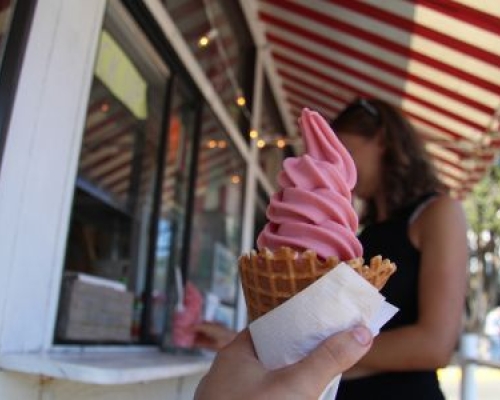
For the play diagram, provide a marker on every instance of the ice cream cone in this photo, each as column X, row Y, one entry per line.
column 270, row 278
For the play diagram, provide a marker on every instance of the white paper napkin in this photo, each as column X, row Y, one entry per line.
column 337, row 301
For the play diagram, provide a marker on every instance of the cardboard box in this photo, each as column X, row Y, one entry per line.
column 94, row 310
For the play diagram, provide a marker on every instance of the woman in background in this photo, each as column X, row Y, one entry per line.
column 408, row 217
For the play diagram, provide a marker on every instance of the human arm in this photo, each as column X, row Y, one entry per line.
column 440, row 234
column 237, row 373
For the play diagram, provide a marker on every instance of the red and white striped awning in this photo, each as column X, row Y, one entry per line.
column 438, row 60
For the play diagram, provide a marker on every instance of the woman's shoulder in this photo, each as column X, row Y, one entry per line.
column 441, row 220
column 441, row 209
column 444, row 203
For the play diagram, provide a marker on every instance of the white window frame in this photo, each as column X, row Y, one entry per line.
column 39, row 168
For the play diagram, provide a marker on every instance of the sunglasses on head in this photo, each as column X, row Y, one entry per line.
column 366, row 105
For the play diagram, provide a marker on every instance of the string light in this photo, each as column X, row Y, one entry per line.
column 104, row 107
column 235, row 179
column 261, row 143
column 240, row 100
column 205, row 40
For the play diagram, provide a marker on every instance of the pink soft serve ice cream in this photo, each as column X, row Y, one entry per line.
column 185, row 320
column 313, row 209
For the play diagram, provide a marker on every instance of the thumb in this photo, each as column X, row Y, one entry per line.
column 332, row 357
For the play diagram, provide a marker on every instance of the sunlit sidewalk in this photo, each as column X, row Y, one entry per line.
column 487, row 382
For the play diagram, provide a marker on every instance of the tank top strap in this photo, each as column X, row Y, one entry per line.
column 411, row 212
column 421, row 207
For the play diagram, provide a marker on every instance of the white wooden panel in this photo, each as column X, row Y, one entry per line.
column 64, row 390
column 15, row 386
column 188, row 387
column 39, row 167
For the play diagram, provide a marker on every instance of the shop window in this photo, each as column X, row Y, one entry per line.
column 122, row 222
column 159, row 190
column 215, row 240
column 171, row 245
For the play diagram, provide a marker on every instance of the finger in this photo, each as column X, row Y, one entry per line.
column 332, row 357
column 209, row 328
column 205, row 343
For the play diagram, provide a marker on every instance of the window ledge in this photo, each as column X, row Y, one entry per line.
column 107, row 368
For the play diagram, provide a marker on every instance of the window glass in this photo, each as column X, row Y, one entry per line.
column 6, row 8
column 106, row 266
column 217, row 34
column 174, row 208
column 260, row 218
column 273, row 132
column 216, row 234
column 15, row 24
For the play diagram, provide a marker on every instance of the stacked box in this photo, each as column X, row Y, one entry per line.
column 92, row 311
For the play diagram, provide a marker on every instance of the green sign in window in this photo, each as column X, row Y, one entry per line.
column 121, row 77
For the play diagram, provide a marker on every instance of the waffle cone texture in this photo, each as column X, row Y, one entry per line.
column 270, row 278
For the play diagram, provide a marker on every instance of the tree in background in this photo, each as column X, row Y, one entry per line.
column 482, row 208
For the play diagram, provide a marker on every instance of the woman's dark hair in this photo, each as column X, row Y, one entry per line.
column 407, row 172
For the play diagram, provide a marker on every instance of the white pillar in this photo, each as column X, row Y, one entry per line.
column 39, row 166
column 251, row 181
column 468, row 350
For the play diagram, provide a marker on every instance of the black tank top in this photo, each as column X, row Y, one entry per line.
column 390, row 239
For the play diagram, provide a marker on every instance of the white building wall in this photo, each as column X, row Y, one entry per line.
column 14, row 386
column 36, row 188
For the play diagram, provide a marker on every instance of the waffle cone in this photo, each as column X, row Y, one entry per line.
column 270, row 278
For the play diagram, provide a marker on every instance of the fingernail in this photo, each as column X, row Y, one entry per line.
column 362, row 335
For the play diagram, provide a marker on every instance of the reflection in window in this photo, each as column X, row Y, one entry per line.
column 170, row 245
column 216, row 32
column 107, row 250
column 260, row 218
column 6, row 8
column 272, row 154
column 216, row 233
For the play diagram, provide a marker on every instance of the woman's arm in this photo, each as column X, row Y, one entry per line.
column 440, row 234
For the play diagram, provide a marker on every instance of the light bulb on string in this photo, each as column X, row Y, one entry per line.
column 254, row 134
column 240, row 100
column 261, row 143
column 104, row 107
column 205, row 40
column 280, row 143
